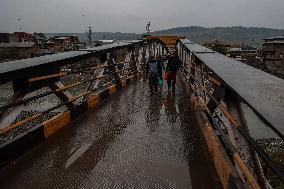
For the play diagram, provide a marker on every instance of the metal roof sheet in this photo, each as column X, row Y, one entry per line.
column 61, row 38
column 186, row 41
column 275, row 42
column 105, row 47
column 107, row 40
column 111, row 46
column 133, row 41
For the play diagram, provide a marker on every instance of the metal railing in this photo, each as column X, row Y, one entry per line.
column 85, row 77
column 204, row 81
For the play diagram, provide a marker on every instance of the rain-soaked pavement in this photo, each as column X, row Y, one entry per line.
column 132, row 140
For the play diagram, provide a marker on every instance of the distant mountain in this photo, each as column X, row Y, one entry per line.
column 237, row 34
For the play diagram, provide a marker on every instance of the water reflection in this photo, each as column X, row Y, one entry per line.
column 153, row 114
column 171, row 109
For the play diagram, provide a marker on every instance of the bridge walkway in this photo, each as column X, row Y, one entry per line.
column 132, row 140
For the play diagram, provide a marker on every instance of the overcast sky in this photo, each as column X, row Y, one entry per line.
column 132, row 15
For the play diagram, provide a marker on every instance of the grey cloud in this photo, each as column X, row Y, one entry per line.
column 131, row 15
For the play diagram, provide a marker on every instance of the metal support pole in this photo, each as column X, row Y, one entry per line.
column 112, row 67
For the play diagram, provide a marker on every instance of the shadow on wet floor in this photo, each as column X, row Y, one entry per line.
column 132, row 140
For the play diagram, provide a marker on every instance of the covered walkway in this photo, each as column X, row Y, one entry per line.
column 131, row 140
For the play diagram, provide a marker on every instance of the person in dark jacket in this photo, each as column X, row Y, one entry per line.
column 161, row 61
column 153, row 72
column 172, row 67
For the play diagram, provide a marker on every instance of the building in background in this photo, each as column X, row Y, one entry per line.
column 273, row 54
column 65, row 43
column 24, row 37
column 243, row 55
column 9, row 38
column 50, row 45
column 106, row 41
column 39, row 39
column 16, row 50
column 74, row 39
column 62, row 44
column 19, row 45
column 218, row 46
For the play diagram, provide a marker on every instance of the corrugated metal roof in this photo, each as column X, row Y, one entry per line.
column 61, row 38
column 110, row 46
column 275, row 42
column 107, row 40
column 133, row 41
column 105, row 47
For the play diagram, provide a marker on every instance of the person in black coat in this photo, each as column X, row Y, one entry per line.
column 172, row 67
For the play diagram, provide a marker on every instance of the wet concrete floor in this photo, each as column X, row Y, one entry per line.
column 132, row 140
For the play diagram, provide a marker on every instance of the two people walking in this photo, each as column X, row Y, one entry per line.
column 154, row 69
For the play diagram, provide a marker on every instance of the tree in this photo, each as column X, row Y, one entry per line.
column 40, row 35
column 219, row 49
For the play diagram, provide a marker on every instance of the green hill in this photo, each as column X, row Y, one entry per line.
column 237, row 34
